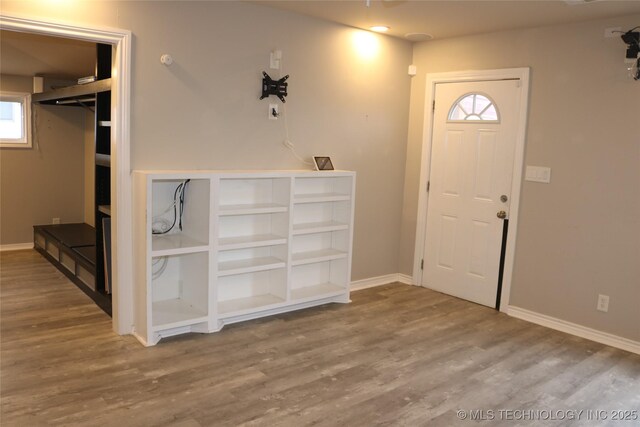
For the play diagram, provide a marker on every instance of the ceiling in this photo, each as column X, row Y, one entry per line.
column 443, row 19
column 31, row 54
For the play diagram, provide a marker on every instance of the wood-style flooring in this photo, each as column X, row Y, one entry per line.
column 397, row 355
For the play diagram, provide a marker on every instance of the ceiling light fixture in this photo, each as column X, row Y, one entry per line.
column 418, row 37
column 380, row 28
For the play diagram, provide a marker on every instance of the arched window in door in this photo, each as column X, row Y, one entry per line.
column 474, row 107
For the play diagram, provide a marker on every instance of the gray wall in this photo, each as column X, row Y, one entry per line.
column 203, row 112
column 45, row 181
column 580, row 235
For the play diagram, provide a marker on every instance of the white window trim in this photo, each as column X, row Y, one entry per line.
column 25, row 100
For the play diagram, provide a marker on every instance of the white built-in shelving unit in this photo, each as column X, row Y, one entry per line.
column 252, row 244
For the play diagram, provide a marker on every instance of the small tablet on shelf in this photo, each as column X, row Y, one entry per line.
column 323, row 163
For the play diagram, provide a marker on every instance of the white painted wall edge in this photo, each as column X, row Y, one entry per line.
column 16, row 247
column 574, row 329
column 371, row 282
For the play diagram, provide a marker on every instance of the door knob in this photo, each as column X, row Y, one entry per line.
column 501, row 214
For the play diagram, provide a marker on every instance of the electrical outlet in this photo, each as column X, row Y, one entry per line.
column 603, row 303
column 55, row 220
column 273, row 112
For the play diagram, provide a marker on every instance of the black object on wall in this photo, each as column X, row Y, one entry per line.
column 274, row 87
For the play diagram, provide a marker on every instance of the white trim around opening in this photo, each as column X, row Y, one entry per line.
column 425, row 163
column 120, row 151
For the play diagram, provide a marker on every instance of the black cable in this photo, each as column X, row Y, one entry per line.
column 180, row 189
column 184, row 189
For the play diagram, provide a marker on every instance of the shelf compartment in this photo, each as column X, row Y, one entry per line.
column 180, row 293
column 251, row 231
column 254, row 191
column 243, row 293
column 245, row 242
column 311, row 257
column 194, row 236
column 174, row 244
column 318, row 227
column 317, row 291
column 326, row 278
column 321, row 197
column 174, row 313
column 255, row 208
column 251, row 265
column 331, row 188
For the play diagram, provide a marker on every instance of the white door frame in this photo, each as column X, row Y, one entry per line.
column 122, row 290
column 516, row 183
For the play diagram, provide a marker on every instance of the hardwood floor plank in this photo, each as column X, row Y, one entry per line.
column 396, row 356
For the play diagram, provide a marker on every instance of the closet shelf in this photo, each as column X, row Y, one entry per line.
column 71, row 93
column 103, row 160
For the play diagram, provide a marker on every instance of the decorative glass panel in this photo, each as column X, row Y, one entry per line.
column 474, row 107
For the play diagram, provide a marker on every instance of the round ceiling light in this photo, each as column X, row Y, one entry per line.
column 380, row 28
column 418, row 37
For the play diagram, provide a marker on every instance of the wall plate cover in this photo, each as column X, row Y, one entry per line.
column 538, row 174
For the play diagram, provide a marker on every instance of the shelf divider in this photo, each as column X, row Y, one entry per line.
column 311, row 257
column 239, row 306
column 253, row 241
column 320, row 198
column 316, row 291
column 318, row 227
column 248, row 209
column 175, row 244
column 251, row 265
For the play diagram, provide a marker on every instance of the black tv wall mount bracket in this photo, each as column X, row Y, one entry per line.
column 274, row 87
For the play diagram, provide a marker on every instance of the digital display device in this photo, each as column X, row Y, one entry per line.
column 323, row 163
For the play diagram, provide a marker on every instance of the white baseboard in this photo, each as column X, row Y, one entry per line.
column 406, row 279
column 574, row 329
column 371, row 282
column 16, row 247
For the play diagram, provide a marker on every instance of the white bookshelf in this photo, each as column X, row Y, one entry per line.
column 251, row 244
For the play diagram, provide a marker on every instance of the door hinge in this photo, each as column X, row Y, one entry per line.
column 422, row 264
column 428, row 185
column 433, row 108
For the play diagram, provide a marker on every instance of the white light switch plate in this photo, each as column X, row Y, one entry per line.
column 538, row 174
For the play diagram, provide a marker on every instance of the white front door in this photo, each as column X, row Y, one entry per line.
column 472, row 156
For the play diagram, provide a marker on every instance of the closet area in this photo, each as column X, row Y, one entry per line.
column 82, row 251
column 67, row 208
